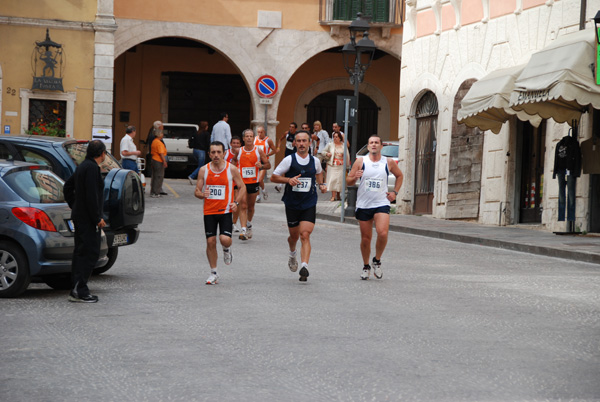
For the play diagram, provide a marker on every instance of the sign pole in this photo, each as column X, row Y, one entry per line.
column 346, row 156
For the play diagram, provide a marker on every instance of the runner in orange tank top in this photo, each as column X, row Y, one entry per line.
column 251, row 160
column 267, row 145
column 215, row 186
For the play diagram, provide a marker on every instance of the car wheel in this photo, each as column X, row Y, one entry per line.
column 58, row 282
column 14, row 270
column 113, row 252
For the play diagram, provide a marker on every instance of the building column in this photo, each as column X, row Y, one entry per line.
column 104, row 60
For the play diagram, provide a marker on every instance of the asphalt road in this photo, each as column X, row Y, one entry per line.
column 448, row 321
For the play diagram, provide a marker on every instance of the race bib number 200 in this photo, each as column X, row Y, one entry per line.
column 303, row 185
column 216, row 192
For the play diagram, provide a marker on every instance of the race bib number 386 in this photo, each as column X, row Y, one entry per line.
column 374, row 184
column 216, row 192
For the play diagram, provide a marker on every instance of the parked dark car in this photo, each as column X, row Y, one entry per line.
column 36, row 230
column 123, row 191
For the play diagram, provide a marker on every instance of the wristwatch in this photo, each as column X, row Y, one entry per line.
column 395, row 192
column 236, row 203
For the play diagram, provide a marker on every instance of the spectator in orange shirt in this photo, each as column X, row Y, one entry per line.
column 159, row 163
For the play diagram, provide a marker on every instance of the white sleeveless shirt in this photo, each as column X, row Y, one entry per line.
column 373, row 187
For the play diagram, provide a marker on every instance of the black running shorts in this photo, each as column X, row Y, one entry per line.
column 295, row 216
column 369, row 213
column 223, row 221
column 252, row 188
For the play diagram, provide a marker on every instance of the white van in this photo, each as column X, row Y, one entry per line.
column 179, row 155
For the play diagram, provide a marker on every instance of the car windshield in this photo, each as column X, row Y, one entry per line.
column 77, row 150
column 179, row 132
column 389, row 150
column 36, row 186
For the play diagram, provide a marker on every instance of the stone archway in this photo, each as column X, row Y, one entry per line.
column 334, row 84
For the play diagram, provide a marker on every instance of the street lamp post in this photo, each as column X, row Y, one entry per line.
column 358, row 56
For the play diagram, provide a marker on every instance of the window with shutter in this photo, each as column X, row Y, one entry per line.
column 346, row 10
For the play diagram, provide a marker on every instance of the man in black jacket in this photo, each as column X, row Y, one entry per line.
column 84, row 193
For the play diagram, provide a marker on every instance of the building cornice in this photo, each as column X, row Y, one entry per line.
column 102, row 24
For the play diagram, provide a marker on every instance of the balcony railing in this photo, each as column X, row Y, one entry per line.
column 341, row 12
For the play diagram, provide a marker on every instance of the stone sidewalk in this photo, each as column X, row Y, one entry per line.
column 574, row 247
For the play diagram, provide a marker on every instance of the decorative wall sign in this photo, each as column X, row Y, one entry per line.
column 48, row 63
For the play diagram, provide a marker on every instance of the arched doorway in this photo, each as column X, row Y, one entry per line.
column 177, row 80
column 426, row 115
column 323, row 108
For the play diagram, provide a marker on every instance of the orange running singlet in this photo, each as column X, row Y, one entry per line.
column 247, row 164
column 262, row 144
column 229, row 155
column 220, row 186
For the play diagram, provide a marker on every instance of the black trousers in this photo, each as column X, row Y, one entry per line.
column 85, row 255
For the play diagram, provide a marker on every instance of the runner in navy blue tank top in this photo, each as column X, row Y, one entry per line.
column 301, row 173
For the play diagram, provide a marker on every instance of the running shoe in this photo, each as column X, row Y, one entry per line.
column 293, row 264
column 258, row 199
column 278, row 188
column 236, row 229
column 249, row 225
column 265, row 194
column 73, row 297
column 191, row 180
column 244, row 235
column 377, row 268
column 303, row 274
column 213, row 279
column 366, row 272
column 227, row 256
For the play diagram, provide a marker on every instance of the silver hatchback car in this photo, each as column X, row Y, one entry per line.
column 390, row 150
column 36, row 230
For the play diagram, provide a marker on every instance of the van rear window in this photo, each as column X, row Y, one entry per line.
column 179, row 133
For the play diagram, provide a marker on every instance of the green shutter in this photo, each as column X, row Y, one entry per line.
column 346, row 10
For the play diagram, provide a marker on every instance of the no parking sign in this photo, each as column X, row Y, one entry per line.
column 266, row 86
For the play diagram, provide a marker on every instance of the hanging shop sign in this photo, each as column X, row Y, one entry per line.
column 48, row 63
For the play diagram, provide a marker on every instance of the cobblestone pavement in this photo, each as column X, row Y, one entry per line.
column 448, row 321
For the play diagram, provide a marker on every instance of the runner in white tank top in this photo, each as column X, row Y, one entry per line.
column 372, row 190
column 373, row 201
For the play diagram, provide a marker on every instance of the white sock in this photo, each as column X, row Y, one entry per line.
column 243, row 228
column 304, row 264
column 293, row 253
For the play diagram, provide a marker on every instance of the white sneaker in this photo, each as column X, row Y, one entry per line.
column 213, row 279
column 377, row 271
column 249, row 225
column 265, row 194
column 293, row 264
column 278, row 188
column 236, row 229
column 244, row 235
column 366, row 272
column 191, row 180
column 258, row 199
column 227, row 256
